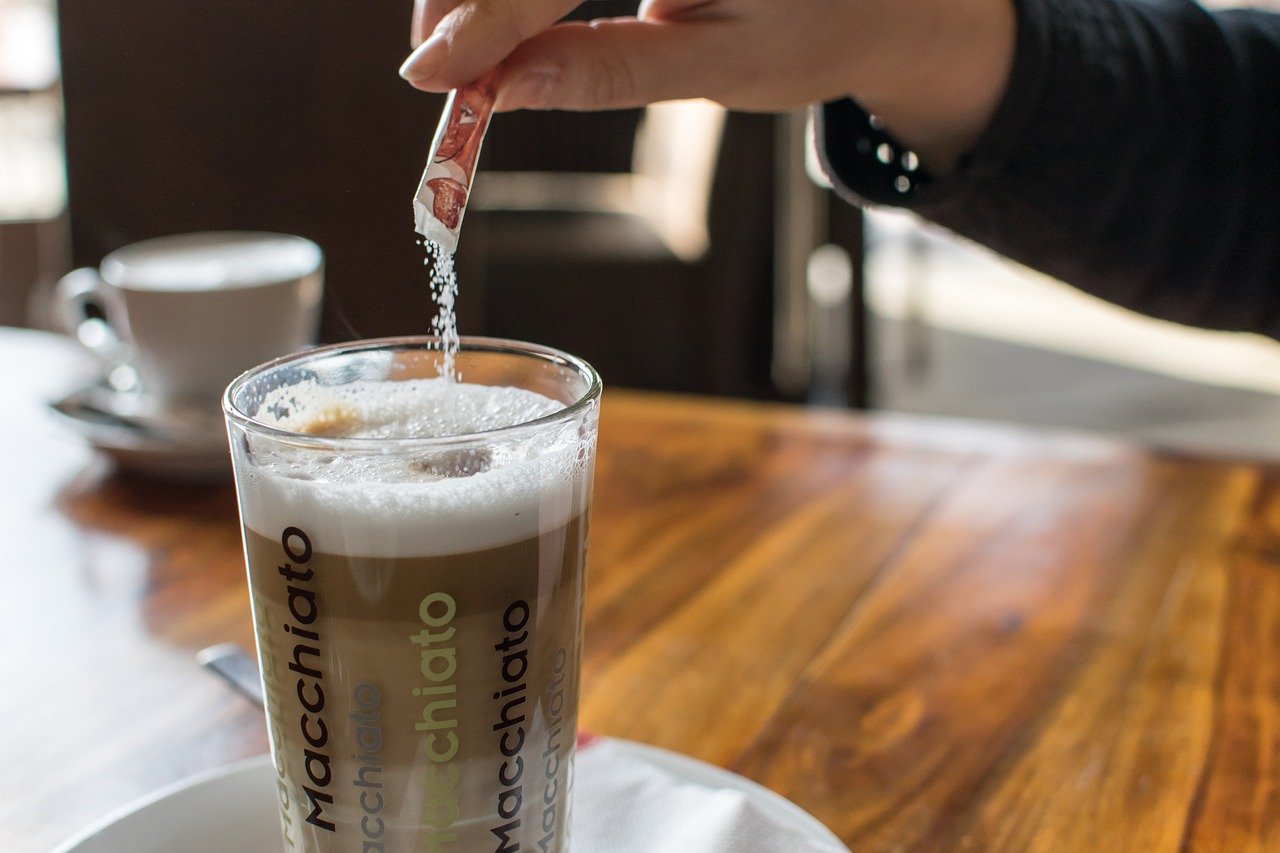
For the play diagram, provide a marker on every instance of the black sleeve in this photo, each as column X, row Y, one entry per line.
column 1135, row 154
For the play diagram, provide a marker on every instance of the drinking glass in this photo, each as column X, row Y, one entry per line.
column 416, row 553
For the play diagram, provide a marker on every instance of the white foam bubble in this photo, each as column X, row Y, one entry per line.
column 434, row 501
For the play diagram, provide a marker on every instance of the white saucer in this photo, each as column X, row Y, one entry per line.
column 233, row 808
column 145, row 437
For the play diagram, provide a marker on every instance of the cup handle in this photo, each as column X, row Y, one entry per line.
column 79, row 302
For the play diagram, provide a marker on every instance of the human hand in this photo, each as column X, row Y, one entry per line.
column 746, row 54
column 932, row 70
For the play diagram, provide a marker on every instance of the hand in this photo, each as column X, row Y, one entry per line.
column 747, row 54
column 933, row 70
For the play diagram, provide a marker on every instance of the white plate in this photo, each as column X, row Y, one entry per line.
column 233, row 809
column 230, row 808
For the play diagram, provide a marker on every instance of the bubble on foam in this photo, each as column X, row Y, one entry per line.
column 436, row 500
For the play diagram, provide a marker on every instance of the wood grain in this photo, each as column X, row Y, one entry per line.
column 931, row 635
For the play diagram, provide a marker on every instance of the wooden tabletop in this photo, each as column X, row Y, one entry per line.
column 930, row 635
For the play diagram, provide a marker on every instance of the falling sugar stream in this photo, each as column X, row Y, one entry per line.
column 444, row 292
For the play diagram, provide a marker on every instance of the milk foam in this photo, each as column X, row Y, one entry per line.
column 394, row 504
column 212, row 261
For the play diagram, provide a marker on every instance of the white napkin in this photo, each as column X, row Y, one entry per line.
column 623, row 803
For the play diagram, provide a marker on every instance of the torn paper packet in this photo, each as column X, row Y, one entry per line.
column 451, row 167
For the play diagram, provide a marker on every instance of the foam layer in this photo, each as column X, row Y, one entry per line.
column 212, row 261
column 429, row 502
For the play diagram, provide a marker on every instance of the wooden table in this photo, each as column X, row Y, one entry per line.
column 930, row 635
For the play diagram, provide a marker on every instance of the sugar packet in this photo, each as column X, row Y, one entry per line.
column 442, row 194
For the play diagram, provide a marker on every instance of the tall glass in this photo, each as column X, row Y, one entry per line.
column 416, row 552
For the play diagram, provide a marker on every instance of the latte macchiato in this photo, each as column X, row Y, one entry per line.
column 416, row 568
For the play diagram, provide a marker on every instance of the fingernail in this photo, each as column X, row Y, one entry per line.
column 426, row 59
column 529, row 90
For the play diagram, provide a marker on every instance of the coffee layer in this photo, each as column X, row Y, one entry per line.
column 421, row 704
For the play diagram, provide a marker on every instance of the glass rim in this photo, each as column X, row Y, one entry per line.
column 467, row 343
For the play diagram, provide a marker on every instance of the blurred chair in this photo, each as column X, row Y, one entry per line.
column 289, row 117
column 688, row 272
column 668, row 188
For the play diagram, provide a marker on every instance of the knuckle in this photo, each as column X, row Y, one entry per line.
column 500, row 20
column 612, row 81
column 514, row 17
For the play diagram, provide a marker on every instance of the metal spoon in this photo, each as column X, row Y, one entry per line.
column 236, row 666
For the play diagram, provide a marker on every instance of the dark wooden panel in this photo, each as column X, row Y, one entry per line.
column 240, row 114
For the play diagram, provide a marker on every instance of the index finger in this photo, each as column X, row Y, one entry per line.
column 473, row 36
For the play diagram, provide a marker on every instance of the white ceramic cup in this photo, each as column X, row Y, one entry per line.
column 190, row 312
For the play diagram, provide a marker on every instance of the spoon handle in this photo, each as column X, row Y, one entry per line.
column 236, row 666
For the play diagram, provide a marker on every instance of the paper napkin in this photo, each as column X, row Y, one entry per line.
column 623, row 803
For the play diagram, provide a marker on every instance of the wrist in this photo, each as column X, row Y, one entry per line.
column 934, row 73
